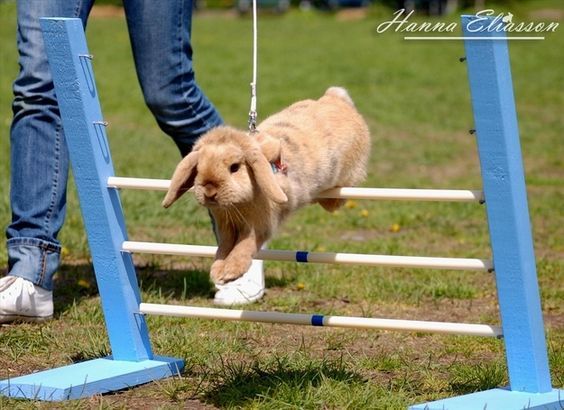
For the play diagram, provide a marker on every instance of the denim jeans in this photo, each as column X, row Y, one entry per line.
column 160, row 39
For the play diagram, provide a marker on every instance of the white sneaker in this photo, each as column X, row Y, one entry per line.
column 21, row 300
column 247, row 289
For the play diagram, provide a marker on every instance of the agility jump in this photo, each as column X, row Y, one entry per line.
column 132, row 361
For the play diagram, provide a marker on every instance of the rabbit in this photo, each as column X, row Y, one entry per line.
column 250, row 183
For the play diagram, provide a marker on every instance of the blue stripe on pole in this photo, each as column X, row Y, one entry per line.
column 301, row 256
column 317, row 320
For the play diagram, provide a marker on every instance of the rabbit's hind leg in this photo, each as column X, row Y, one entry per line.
column 331, row 204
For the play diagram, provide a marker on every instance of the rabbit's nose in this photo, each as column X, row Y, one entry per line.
column 210, row 191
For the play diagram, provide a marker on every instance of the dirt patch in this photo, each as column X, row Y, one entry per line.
column 140, row 399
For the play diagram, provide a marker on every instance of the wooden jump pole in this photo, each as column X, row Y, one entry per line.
column 317, row 257
column 393, row 194
column 465, row 329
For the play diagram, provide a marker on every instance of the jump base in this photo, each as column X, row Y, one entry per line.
column 89, row 378
column 499, row 399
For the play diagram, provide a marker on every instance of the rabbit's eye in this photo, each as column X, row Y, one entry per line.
column 234, row 168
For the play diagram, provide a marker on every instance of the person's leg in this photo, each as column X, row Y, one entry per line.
column 160, row 39
column 38, row 166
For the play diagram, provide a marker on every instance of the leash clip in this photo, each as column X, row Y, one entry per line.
column 253, row 122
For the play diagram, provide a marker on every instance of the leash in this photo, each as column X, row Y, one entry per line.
column 253, row 110
column 279, row 165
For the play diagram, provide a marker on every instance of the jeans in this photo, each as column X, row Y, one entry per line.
column 160, row 39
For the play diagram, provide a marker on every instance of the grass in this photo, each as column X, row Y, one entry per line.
column 415, row 97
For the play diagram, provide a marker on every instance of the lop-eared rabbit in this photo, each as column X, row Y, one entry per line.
column 251, row 183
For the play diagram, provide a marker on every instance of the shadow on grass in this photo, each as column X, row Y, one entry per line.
column 278, row 282
column 466, row 378
column 77, row 282
column 237, row 384
column 175, row 284
column 73, row 283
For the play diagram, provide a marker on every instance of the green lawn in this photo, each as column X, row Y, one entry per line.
column 415, row 98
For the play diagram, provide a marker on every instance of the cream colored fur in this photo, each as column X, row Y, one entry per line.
column 317, row 144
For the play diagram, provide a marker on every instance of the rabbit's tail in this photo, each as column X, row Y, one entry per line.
column 341, row 93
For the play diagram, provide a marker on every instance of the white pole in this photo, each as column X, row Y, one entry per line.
column 320, row 320
column 315, row 257
column 402, row 194
column 139, row 183
column 398, row 194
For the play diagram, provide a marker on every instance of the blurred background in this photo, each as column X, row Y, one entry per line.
column 429, row 7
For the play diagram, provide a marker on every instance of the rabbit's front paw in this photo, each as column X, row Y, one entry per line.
column 233, row 268
column 216, row 271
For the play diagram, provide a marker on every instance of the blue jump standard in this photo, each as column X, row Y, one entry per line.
column 132, row 360
column 499, row 149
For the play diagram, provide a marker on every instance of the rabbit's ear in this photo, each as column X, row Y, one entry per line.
column 182, row 179
column 264, row 177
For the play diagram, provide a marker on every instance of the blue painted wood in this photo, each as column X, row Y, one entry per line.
column 88, row 378
column 505, row 194
column 91, row 161
column 498, row 399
